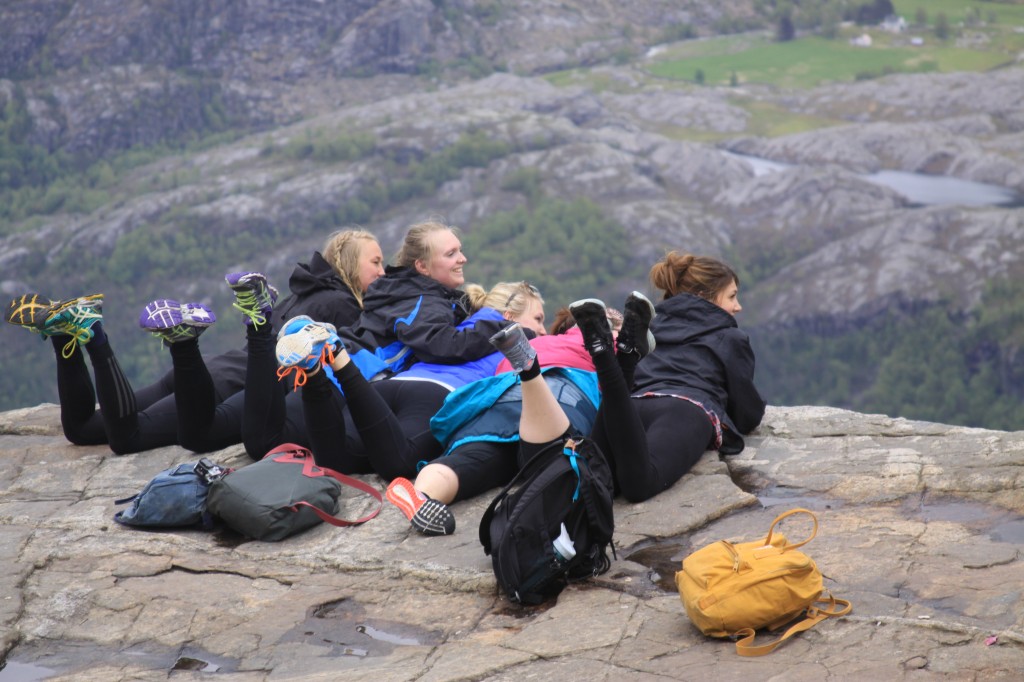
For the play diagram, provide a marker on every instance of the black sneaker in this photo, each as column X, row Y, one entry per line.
column 514, row 345
column 592, row 318
column 635, row 337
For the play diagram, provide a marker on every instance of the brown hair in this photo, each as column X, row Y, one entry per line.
column 564, row 321
column 698, row 275
column 342, row 251
column 416, row 245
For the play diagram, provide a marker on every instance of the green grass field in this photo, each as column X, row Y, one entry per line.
column 811, row 61
column 956, row 10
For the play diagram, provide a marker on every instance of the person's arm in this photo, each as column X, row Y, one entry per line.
column 430, row 331
column 745, row 405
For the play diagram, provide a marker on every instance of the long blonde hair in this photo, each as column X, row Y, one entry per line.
column 416, row 245
column 342, row 251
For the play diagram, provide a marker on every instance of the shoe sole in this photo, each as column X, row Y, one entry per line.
column 164, row 314
column 403, row 495
column 635, row 300
column 30, row 312
column 294, row 350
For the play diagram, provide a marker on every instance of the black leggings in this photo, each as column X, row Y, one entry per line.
column 128, row 421
column 482, row 465
column 392, row 418
column 649, row 442
column 260, row 416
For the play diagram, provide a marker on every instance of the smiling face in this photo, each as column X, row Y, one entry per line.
column 532, row 317
column 728, row 299
column 446, row 259
column 371, row 263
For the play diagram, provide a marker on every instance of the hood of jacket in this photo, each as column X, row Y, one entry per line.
column 316, row 276
column 685, row 317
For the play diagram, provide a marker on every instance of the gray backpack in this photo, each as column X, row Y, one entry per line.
column 282, row 494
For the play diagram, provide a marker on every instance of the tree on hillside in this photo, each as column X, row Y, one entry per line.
column 942, row 26
column 784, row 30
column 921, row 17
column 871, row 12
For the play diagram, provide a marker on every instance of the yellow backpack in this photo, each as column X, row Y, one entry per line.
column 731, row 590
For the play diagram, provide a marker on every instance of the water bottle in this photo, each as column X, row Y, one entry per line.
column 563, row 546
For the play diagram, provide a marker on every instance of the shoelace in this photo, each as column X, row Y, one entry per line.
column 249, row 304
column 301, row 374
column 78, row 335
column 74, row 328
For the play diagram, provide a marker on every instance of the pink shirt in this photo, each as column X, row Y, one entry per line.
column 558, row 350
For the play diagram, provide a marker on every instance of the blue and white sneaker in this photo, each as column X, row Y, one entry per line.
column 304, row 344
column 173, row 321
column 254, row 297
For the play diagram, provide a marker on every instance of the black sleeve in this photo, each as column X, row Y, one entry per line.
column 745, row 405
column 432, row 335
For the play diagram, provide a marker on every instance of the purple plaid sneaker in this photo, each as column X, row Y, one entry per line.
column 173, row 321
column 254, row 297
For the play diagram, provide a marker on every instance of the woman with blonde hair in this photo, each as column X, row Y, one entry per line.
column 330, row 288
column 414, row 312
column 384, row 426
column 132, row 421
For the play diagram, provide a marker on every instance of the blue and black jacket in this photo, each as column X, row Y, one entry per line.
column 408, row 317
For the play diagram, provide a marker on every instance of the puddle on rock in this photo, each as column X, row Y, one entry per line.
column 73, row 659
column 343, row 626
column 795, row 498
column 664, row 559
column 998, row 524
column 13, row 671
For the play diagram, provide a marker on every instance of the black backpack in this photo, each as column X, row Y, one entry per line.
column 565, row 483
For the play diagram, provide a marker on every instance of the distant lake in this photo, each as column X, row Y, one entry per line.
column 918, row 188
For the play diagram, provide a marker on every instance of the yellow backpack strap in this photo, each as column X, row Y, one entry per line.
column 791, row 512
column 836, row 607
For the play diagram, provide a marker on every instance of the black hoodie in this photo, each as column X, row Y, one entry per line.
column 702, row 354
column 317, row 291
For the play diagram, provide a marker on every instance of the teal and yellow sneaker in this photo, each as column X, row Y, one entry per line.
column 75, row 318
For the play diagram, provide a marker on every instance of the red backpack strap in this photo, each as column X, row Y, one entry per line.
column 299, row 455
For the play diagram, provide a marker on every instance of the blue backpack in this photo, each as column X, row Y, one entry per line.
column 176, row 497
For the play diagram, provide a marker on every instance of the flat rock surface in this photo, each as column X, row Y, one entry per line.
column 921, row 527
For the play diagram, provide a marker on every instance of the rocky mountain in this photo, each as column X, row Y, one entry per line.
column 313, row 115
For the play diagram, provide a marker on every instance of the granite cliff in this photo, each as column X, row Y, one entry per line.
column 921, row 527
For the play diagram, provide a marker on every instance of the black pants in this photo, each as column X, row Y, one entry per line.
column 261, row 416
column 649, row 442
column 129, row 421
column 392, row 419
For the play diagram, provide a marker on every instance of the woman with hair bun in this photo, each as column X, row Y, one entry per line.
column 694, row 389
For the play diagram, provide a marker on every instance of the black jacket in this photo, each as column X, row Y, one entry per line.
column 701, row 354
column 408, row 313
column 317, row 291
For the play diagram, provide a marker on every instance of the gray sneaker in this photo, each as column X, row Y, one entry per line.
column 514, row 345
